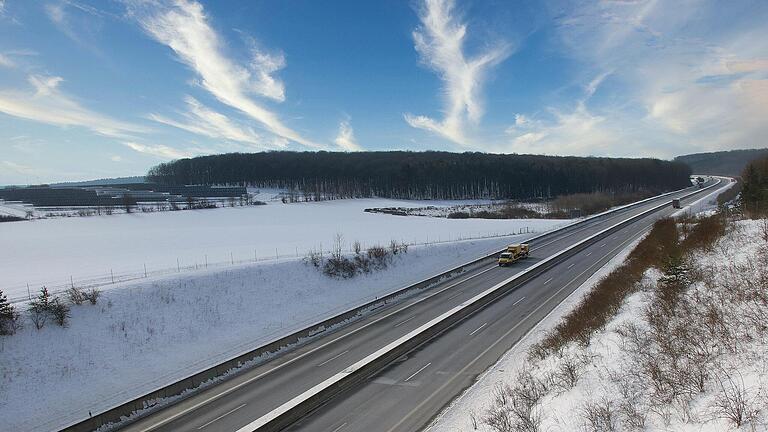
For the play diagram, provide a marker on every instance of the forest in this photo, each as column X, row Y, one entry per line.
column 754, row 192
column 726, row 163
column 425, row 175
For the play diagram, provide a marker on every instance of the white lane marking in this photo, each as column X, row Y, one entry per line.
column 602, row 245
column 340, row 427
column 491, row 346
column 273, row 414
column 301, row 356
column 417, row 372
column 571, row 266
column 295, row 401
column 589, row 254
column 332, row 358
column 221, row 417
column 548, row 281
column 521, row 299
column 478, row 329
column 403, row 322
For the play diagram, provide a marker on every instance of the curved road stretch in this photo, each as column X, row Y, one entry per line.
column 406, row 395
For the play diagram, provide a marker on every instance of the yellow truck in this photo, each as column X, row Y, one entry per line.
column 513, row 253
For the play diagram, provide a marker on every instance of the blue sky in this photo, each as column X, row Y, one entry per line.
column 107, row 88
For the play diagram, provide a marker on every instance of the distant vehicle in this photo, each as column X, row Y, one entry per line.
column 676, row 203
column 513, row 253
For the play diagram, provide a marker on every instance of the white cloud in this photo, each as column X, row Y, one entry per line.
column 6, row 62
column 184, row 28
column 159, row 150
column 346, row 137
column 578, row 132
column 688, row 77
column 440, row 42
column 19, row 168
column 48, row 104
column 202, row 120
column 116, row 158
column 78, row 21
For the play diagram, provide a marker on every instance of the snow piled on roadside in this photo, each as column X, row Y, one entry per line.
column 476, row 399
column 612, row 376
column 147, row 334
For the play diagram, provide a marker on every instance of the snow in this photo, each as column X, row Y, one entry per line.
column 609, row 370
column 476, row 399
column 145, row 334
column 96, row 249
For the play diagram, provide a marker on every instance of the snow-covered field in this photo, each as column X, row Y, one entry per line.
column 153, row 332
column 620, row 379
column 87, row 249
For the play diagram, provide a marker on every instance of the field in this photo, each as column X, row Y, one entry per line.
column 82, row 250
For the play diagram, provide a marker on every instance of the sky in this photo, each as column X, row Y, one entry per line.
column 107, row 88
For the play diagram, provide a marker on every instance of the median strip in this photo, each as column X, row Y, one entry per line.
column 305, row 402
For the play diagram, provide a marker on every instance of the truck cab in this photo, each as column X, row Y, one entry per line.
column 513, row 253
column 506, row 258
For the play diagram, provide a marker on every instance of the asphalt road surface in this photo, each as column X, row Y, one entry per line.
column 406, row 395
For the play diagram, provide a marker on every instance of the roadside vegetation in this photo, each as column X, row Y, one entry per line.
column 567, row 206
column 755, row 188
column 337, row 264
column 45, row 308
column 674, row 336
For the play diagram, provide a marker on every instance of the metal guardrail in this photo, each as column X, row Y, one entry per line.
column 182, row 389
column 361, row 370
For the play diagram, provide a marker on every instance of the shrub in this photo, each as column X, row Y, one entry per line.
column 343, row 267
column 458, row 215
column 75, row 295
column 60, row 312
column 92, row 295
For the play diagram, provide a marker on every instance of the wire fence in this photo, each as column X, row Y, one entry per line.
column 25, row 293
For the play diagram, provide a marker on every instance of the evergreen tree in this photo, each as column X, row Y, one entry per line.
column 8, row 316
column 424, row 175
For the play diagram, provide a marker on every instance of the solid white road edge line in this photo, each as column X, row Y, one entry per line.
column 295, row 401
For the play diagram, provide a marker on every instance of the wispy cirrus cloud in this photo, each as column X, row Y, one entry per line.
column 161, row 151
column 440, row 42
column 202, row 120
column 81, row 26
column 346, row 137
column 184, row 27
column 47, row 103
column 682, row 81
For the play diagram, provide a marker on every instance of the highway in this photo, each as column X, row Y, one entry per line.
column 408, row 393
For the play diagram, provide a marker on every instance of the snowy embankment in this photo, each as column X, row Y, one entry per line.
column 97, row 249
column 696, row 360
column 146, row 334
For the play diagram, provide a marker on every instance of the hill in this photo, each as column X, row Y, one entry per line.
column 426, row 175
column 727, row 163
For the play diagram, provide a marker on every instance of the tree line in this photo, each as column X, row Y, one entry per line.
column 754, row 191
column 425, row 175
